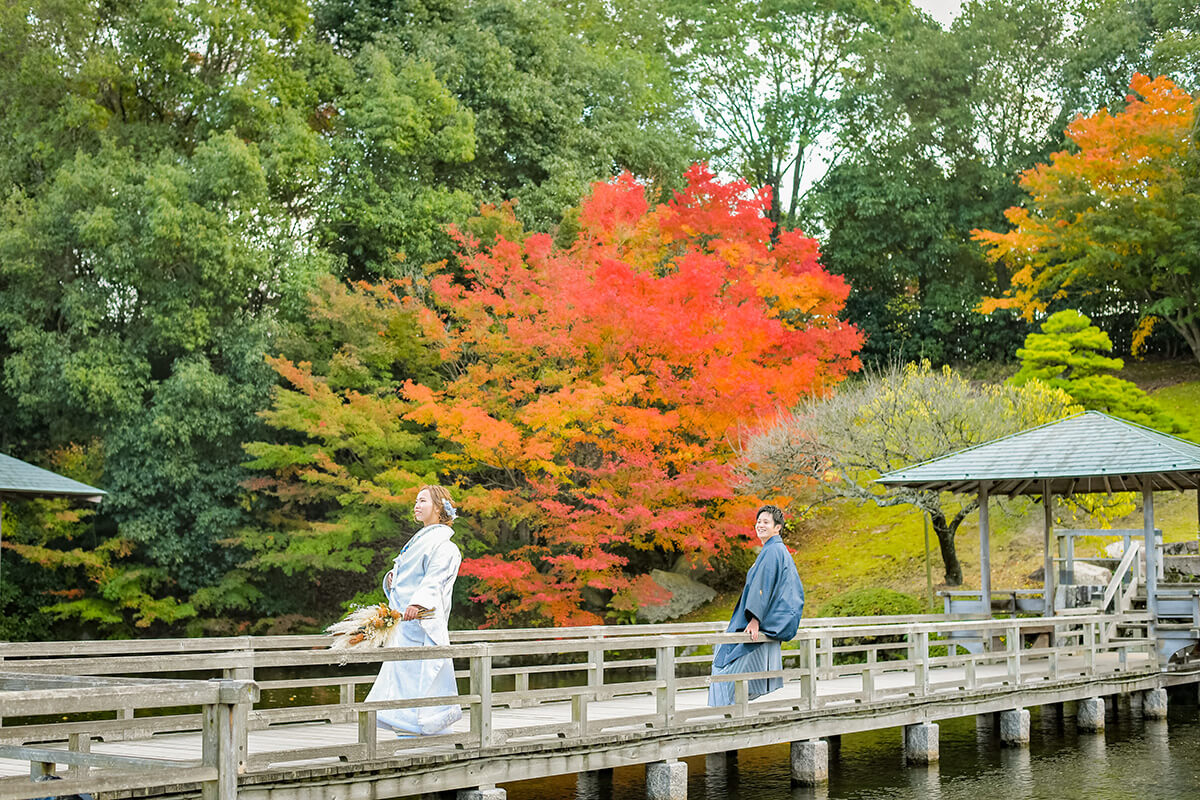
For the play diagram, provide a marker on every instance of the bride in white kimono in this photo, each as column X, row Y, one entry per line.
column 420, row 584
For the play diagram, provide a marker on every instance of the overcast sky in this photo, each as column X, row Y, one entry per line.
column 944, row 11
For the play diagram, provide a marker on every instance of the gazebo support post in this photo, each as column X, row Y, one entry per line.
column 1151, row 549
column 985, row 555
column 1048, row 555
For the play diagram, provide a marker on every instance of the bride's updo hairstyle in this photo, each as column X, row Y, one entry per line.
column 447, row 513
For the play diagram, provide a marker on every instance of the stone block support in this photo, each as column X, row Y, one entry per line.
column 482, row 793
column 1089, row 716
column 921, row 743
column 810, row 762
column 1154, row 704
column 1014, row 727
column 666, row 780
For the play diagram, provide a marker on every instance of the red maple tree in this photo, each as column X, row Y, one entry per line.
column 593, row 391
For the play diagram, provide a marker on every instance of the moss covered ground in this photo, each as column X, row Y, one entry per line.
column 847, row 546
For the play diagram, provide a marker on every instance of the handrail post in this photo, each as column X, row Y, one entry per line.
column 664, row 673
column 810, row 675
column 368, row 734
column 243, row 672
column 920, row 662
column 579, row 713
column 596, row 663
column 481, row 687
column 223, row 730
column 1014, row 655
column 79, row 743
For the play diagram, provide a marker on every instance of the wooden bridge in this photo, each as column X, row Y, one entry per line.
column 279, row 718
column 273, row 718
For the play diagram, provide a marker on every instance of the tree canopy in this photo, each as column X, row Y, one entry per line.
column 888, row 419
column 584, row 400
column 1121, row 210
column 313, row 226
column 1070, row 354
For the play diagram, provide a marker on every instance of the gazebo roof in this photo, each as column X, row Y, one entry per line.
column 1089, row 452
column 17, row 477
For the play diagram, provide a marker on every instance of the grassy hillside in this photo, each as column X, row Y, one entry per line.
column 847, row 546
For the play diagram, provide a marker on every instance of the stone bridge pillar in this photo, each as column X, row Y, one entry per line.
column 1014, row 727
column 1154, row 704
column 1089, row 717
column 921, row 743
column 482, row 793
column 810, row 762
column 666, row 780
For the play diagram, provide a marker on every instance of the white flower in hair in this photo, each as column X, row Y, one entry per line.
column 450, row 510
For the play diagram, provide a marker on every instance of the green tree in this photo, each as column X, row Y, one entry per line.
column 892, row 418
column 1071, row 354
column 947, row 118
column 334, row 478
column 946, row 121
column 161, row 169
column 772, row 81
column 395, row 136
column 562, row 94
column 1116, row 213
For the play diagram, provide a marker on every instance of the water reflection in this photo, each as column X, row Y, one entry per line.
column 925, row 781
column 720, row 774
column 1017, row 765
column 810, row 793
column 1134, row 757
column 594, row 785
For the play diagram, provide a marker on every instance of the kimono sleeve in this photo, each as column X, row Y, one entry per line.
column 776, row 597
column 440, row 572
column 760, row 587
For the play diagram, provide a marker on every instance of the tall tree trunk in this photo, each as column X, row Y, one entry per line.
column 945, row 535
column 1190, row 331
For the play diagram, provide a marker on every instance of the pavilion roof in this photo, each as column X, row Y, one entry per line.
column 18, row 477
column 1085, row 453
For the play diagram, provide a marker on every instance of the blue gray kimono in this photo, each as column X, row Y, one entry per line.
column 775, row 596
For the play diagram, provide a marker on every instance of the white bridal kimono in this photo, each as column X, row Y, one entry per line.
column 422, row 575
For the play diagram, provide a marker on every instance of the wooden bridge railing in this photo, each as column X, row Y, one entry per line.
column 580, row 670
column 43, row 697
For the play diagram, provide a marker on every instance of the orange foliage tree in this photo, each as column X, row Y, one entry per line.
column 587, row 396
column 1117, row 214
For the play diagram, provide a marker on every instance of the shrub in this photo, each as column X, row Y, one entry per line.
column 871, row 602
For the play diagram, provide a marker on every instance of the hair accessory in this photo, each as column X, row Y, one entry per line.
column 450, row 510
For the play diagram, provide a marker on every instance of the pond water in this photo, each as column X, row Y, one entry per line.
column 1133, row 758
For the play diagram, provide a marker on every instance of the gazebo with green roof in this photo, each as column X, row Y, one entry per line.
column 19, row 479
column 1087, row 453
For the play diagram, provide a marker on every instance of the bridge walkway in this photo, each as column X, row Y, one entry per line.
column 614, row 698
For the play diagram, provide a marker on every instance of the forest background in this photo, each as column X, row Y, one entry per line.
column 266, row 267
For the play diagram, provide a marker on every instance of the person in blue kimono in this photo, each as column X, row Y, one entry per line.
column 420, row 585
column 769, row 610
